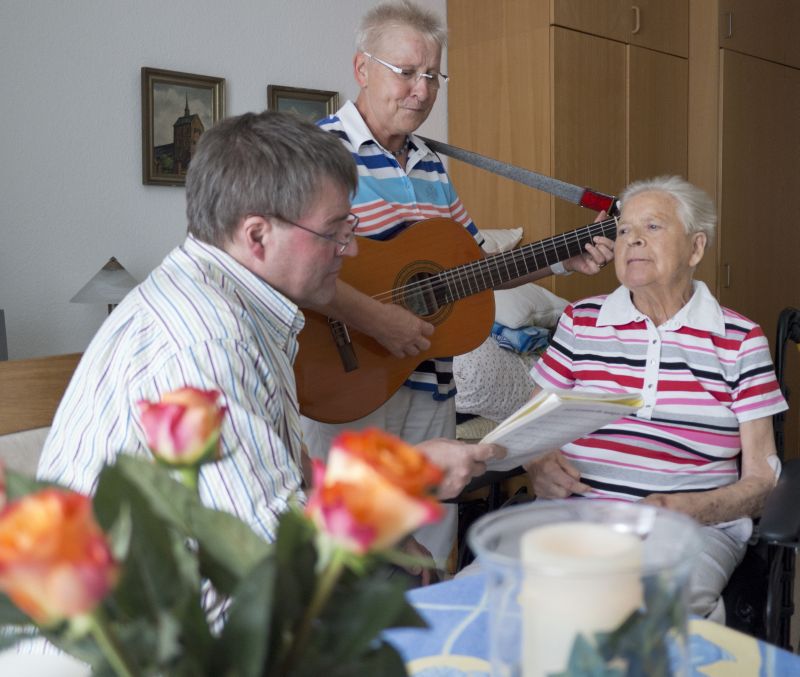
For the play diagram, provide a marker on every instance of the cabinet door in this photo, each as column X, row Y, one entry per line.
column 765, row 29
column 589, row 134
column 662, row 25
column 658, row 129
column 760, row 231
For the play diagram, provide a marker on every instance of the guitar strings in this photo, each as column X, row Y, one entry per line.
column 461, row 275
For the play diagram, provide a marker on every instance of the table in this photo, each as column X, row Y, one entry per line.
column 457, row 642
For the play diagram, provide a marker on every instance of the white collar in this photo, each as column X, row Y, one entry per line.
column 358, row 132
column 701, row 312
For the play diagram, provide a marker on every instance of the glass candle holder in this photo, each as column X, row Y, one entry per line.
column 587, row 587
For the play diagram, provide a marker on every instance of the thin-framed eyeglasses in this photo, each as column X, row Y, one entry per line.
column 352, row 223
column 410, row 74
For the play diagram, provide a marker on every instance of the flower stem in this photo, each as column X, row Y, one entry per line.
column 190, row 477
column 109, row 645
column 325, row 585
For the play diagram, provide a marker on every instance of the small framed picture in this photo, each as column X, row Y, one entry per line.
column 176, row 109
column 309, row 104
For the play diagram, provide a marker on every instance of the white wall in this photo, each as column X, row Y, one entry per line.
column 71, row 192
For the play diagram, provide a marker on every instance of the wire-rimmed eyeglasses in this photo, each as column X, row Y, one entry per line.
column 410, row 74
column 352, row 223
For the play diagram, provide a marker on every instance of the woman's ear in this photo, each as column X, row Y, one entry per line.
column 699, row 241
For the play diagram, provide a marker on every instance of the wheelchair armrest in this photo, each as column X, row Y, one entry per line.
column 780, row 521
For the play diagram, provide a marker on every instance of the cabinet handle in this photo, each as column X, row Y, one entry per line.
column 729, row 16
column 637, row 24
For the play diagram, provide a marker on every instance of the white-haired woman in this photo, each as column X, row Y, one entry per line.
column 702, row 444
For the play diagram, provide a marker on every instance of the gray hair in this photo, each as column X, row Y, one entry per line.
column 388, row 15
column 695, row 208
column 266, row 163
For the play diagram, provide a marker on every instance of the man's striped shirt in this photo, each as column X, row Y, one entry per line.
column 200, row 319
column 702, row 374
column 389, row 199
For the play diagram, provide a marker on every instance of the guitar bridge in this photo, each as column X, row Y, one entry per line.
column 341, row 337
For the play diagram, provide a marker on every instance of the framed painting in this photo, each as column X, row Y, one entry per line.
column 176, row 109
column 309, row 104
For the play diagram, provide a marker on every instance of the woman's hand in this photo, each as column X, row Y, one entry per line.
column 552, row 476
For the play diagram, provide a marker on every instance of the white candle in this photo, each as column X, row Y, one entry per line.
column 579, row 577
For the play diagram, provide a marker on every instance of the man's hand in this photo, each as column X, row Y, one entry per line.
column 411, row 546
column 460, row 462
column 401, row 332
column 597, row 254
column 552, row 476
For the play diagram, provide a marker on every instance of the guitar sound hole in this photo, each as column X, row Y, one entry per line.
column 420, row 297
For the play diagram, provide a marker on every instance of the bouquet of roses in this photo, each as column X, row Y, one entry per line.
column 124, row 581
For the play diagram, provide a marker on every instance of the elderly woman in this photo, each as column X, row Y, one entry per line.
column 705, row 374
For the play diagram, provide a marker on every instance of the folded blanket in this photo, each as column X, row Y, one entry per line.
column 524, row 340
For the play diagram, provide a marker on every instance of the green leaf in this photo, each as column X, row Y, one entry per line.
column 243, row 646
column 229, row 548
column 10, row 613
column 18, row 485
column 359, row 611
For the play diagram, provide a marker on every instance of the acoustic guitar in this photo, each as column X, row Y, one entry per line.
column 436, row 270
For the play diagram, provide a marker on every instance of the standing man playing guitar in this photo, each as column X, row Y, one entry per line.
column 401, row 181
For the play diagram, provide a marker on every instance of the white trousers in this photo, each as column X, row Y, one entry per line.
column 413, row 416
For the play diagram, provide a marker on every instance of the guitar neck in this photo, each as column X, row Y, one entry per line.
column 493, row 271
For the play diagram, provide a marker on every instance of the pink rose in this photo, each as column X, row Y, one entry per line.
column 183, row 429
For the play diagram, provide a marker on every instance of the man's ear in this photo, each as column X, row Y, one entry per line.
column 360, row 69
column 253, row 235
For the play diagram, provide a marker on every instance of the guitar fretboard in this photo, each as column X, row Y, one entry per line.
column 493, row 271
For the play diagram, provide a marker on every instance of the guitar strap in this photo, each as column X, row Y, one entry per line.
column 585, row 197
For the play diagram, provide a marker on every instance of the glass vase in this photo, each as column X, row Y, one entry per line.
column 587, row 587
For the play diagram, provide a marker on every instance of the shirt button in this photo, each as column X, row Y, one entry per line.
column 649, row 385
column 655, row 341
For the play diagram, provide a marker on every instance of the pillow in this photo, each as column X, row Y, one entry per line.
column 500, row 240
column 492, row 382
column 528, row 304
column 20, row 451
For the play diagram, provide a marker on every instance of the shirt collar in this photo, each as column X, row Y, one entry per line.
column 702, row 311
column 289, row 318
column 358, row 132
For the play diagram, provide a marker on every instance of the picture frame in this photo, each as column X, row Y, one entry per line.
column 176, row 109
column 309, row 104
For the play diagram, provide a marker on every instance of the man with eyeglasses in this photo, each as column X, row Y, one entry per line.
column 401, row 181
column 221, row 312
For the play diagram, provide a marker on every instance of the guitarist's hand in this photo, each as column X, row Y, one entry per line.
column 595, row 257
column 460, row 462
column 401, row 332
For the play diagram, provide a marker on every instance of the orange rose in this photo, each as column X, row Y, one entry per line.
column 55, row 562
column 183, row 429
column 374, row 491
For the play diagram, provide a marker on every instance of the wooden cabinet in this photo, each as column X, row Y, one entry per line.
column 655, row 24
column 769, row 30
column 744, row 131
column 568, row 95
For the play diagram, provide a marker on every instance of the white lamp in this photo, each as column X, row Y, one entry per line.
column 109, row 285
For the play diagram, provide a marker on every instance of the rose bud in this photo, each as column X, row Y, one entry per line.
column 183, row 429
